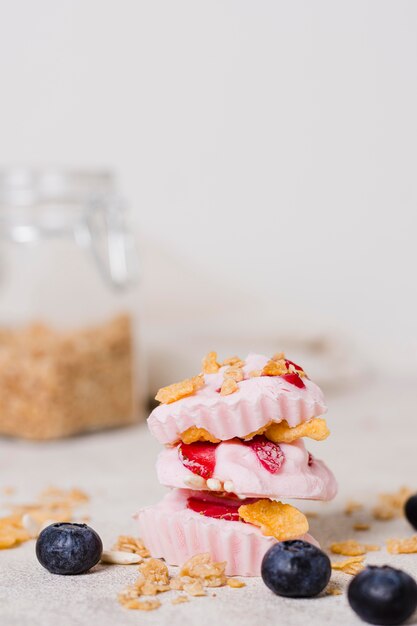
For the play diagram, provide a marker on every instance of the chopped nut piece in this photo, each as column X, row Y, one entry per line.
column 117, row 557
column 176, row 391
column 402, row 546
column 180, row 599
column 352, row 506
column 210, row 365
column 193, row 434
column 228, row 387
column 235, row 583
column 125, row 543
column 361, row 526
column 391, row 505
column 351, row 547
column 275, row 519
column 351, row 566
column 315, row 428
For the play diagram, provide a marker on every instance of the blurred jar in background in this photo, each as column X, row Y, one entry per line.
column 69, row 349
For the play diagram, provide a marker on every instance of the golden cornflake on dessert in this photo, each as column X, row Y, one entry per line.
column 235, row 583
column 315, row 428
column 351, row 547
column 210, row 365
column 360, row 526
column 228, row 387
column 391, row 505
column 402, row 546
column 275, row 519
column 278, row 356
column 352, row 506
column 125, row 543
column 274, row 368
column 351, row 566
column 193, row 434
column 234, row 361
column 255, row 373
column 176, row 391
column 234, row 372
column 202, row 567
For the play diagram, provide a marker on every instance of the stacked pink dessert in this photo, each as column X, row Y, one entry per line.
column 234, row 449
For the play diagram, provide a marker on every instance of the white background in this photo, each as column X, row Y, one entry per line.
column 268, row 150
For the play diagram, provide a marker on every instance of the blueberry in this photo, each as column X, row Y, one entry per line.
column 295, row 569
column 68, row 548
column 383, row 595
column 410, row 510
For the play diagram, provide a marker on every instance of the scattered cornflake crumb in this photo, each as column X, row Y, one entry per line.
column 351, row 547
column 228, row 387
column 139, row 605
column 194, row 588
column 176, row 391
column 235, row 583
column 361, row 526
column 281, row 432
column 275, row 519
column 126, row 543
column 352, row 506
column 352, row 566
column 202, row 567
column 210, row 365
column 391, row 505
column 8, row 491
column 333, row 589
column 402, row 546
column 180, row 599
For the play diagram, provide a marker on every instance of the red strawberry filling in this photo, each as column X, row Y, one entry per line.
column 269, row 453
column 198, row 457
column 218, row 510
column 294, row 379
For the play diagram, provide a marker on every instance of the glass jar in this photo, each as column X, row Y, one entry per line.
column 68, row 305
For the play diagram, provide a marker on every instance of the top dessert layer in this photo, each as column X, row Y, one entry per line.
column 260, row 395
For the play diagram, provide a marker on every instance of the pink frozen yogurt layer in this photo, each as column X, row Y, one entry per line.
column 259, row 400
column 175, row 533
column 237, row 463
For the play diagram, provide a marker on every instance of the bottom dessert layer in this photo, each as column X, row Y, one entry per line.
column 175, row 533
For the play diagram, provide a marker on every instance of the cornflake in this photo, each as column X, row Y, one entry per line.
column 125, row 543
column 351, row 547
column 180, row 599
column 315, row 428
column 203, row 568
column 228, row 387
column 275, row 519
column 333, row 589
column 274, row 368
column 402, row 546
column 352, row 506
column 193, row 433
column 235, row 373
column 176, row 391
column 235, row 583
column 210, row 365
column 391, row 505
column 361, row 526
column 351, row 566
column 234, row 361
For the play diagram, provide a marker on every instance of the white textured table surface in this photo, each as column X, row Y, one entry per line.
column 372, row 449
